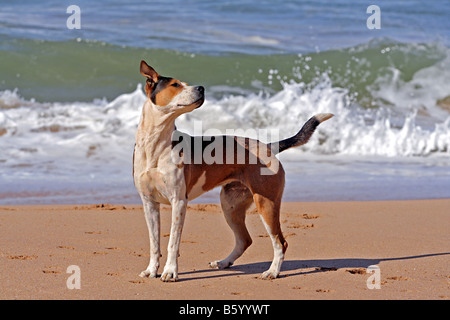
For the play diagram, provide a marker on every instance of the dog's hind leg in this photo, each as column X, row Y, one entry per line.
column 235, row 199
column 151, row 210
column 269, row 210
column 267, row 195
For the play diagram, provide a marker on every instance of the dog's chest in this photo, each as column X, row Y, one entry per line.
column 156, row 176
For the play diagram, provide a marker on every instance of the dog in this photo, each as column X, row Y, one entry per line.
column 165, row 173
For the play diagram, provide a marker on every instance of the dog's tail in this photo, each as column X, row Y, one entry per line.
column 303, row 135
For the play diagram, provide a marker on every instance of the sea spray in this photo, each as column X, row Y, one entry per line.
column 102, row 131
column 391, row 119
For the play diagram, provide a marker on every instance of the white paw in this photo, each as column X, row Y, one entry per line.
column 169, row 274
column 169, row 277
column 147, row 274
column 269, row 275
column 220, row 264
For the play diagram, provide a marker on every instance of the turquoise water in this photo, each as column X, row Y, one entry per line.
column 70, row 100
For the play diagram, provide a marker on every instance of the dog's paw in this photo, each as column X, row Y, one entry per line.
column 269, row 275
column 220, row 264
column 169, row 274
column 169, row 277
column 147, row 274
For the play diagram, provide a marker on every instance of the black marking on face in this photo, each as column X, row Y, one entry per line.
column 163, row 83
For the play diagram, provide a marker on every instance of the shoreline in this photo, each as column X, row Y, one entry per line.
column 331, row 245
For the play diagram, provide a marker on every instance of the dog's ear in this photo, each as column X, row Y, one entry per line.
column 149, row 72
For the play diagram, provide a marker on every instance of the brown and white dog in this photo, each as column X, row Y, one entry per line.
column 166, row 173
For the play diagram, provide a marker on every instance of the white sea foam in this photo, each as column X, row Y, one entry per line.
column 353, row 130
column 419, row 94
column 56, row 137
column 47, row 146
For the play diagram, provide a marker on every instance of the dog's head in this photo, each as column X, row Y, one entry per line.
column 171, row 95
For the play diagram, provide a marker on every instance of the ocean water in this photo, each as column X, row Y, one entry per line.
column 70, row 99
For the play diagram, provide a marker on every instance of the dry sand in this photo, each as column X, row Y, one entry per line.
column 330, row 246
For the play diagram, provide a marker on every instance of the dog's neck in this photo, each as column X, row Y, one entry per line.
column 155, row 129
column 155, row 118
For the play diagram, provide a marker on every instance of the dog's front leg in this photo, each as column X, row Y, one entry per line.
column 151, row 210
column 170, row 272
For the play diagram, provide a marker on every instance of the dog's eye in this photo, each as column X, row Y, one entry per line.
column 175, row 84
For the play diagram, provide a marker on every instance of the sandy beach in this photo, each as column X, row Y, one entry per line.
column 331, row 245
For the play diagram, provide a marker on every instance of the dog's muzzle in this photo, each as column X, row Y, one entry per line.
column 201, row 91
